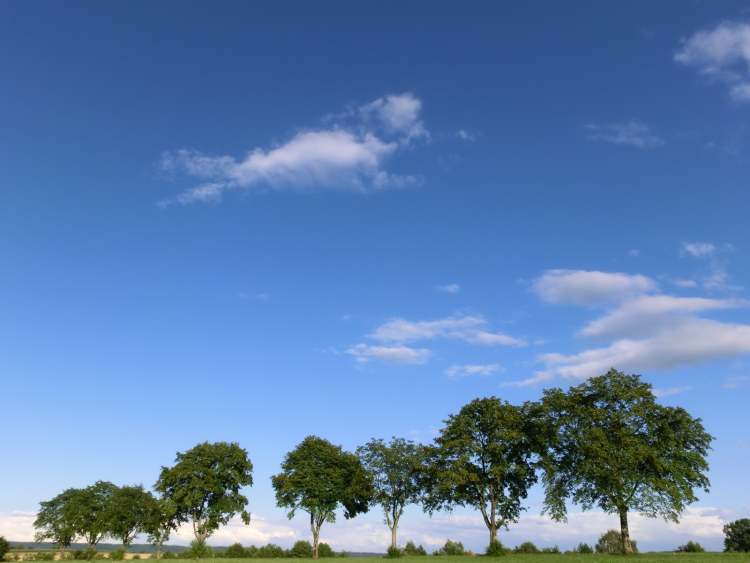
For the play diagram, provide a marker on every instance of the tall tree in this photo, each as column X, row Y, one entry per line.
column 318, row 477
column 90, row 509
column 394, row 468
column 204, row 486
column 129, row 511
column 160, row 523
column 55, row 520
column 483, row 458
column 613, row 446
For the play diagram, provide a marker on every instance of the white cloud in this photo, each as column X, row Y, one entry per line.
column 449, row 288
column 685, row 283
column 628, row 133
column 583, row 287
column 535, row 379
column 736, row 382
column 398, row 354
column 721, row 54
column 634, row 252
column 465, row 135
column 466, row 370
column 698, row 249
column 471, row 329
column 649, row 313
column 334, row 158
column 662, row 392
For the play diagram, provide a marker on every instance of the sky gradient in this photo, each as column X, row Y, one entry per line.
column 257, row 221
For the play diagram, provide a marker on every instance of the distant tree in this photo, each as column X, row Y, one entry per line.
column 451, row 548
column 270, row 551
column 236, row 551
column 159, row 524
column 317, row 477
column 301, row 549
column 204, row 486
column 610, row 542
column 482, row 458
column 412, row 550
column 526, row 547
column 394, row 468
column 4, row 547
column 129, row 513
column 737, row 535
column 691, row 547
column 612, row 445
column 325, row 550
column 583, row 548
column 55, row 520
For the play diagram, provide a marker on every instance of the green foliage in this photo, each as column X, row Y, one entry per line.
column 301, row 548
column 87, row 554
column 737, row 535
column 613, row 446
column 451, row 548
column 270, row 551
column 393, row 552
column 317, row 477
column 325, row 550
column 235, row 551
column 554, row 549
column 526, row 547
column 412, row 550
column 169, row 555
column 56, row 519
column 204, row 486
column 159, row 523
column 198, row 550
column 90, row 507
column 691, row 547
column 483, row 459
column 495, row 549
column 394, row 468
column 610, row 542
column 4, row 547
column 583, row 548
column 117, row 555
column 129, row 513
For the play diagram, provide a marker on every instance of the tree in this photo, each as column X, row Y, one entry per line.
column 318, row 477
column 691, row 547
column 394, row 468
column 4, row 547
column 483, row 458
column 737, row 535
column 204, row 486
column 301, row 549
column 54, row 521
column 130, row 510
column 613, row 446
column 160, row 523
column 90, row 507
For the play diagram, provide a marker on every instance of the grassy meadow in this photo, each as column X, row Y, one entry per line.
column 653, row 557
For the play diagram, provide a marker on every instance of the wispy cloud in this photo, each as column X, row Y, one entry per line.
column 466, row 370
column 589, row 287
column 717, row 278
column 698, row 249
column 471, row 329
column 662, row 392
column 397, row 354
column 736, row 381
column 448, row 288
column 350, row 155
column 465, row 135
column 632, row 133
column 721, row 54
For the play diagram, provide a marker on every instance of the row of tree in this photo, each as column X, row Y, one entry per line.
column 604, row 443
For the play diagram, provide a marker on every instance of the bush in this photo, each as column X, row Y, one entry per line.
column 168, row 555
column 553, row 549
column 393, row 552
column 198, row 550
column 4, row 547
column 301, row 549
column 495, row 549
column 235, row 551
column 611, row 542
column 526, row 547
column 583, row 548
column 87, row 554
column 270, row 551
column 412, row 550
column 451, row 548
column 325, row 550
column 737, row 535
column 117, row 555
column 691, row 547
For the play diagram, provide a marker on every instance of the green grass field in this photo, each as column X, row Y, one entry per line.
column 541, row 558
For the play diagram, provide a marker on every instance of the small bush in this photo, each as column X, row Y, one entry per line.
column 691, row 547
column 553, row 549
column 235, row 551
column 451, row 548
column 495, row 549
column 169, row 555
column 117, row 555
column 611, row 542
column 583, row 548
column 393, row 552
column 737, row 535
column 198, row 550
column 526, row 547
column 301, row 549
column 412, row 550
column 4, row 547
column 270, row 551
column 325, row 550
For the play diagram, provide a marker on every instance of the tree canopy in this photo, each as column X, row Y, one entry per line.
column 613, row 446
column 129, row 512
column 483, row 458
column 394, row 468
column 203, row 486
column 55, row 520
column 317, row 477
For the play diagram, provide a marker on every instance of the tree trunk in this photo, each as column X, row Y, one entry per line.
column 627, row 546
column 493, row 533
column 393, row 536
column 315, row 528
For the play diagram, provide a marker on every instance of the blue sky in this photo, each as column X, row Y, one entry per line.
column 253, row 222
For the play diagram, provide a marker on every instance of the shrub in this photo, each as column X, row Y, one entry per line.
column 691, row 547
column 301, row 549
column 198, row 550
column 393, row 552
column 117, row 555
column 553, row 549
column 4, row 547
column 583, row 548
column 87, row 554
column 325, row 550
column 495, row 549
column 737, row 535
column 526, row 547
column 169, row 555
column 611, row 542
column 235, row 551
column 412, row 550
column 451, row 548
column 270, row 551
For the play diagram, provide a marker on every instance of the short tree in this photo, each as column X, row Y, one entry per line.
column 737, row 535
column 318, row 477
column 325, row 550
column 204, row 486
column 301, row 549
column 129, row 513
column 90, row 507
column 583, row 548
column 4, row 547
column 691, row 547
column 451, row 548
column 55, row 520
column 610, row 542
column 236, row 551
column 613, row 446
column 160, row 523
column 482, row 458
column 526, row 547
column 394, row 468
column 411, row 549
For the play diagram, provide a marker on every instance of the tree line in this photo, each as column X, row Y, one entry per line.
column 605, row 443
